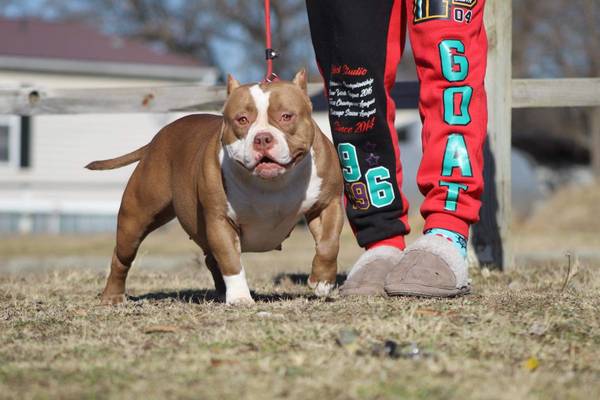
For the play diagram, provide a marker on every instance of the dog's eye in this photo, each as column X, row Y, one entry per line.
column 242, row 120
column 287, row 117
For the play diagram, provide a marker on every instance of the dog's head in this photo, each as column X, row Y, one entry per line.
column 268, row 127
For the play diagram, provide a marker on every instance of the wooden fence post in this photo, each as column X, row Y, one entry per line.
column 491, row 236
column 594, row 114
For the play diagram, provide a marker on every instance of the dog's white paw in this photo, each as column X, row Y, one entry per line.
column 237, row 291
column 323, row 288
column 239, row 301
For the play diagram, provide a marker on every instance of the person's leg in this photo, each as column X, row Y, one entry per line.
column 358, row 45
column 450, row 48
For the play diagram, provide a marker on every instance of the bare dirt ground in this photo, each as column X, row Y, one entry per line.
column 532, row 332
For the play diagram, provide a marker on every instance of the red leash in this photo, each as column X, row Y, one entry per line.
column 270, row 53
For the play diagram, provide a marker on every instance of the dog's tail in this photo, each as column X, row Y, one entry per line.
column 119, row 161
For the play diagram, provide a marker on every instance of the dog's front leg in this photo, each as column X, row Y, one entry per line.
column 224, row 242
column 325, row 227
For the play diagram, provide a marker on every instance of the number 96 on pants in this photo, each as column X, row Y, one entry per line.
column 375, row 190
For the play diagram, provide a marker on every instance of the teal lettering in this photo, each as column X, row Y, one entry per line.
column 456, row 156
column 349, row 161
column 380, row 191
column 453, row 194
column 463, row 118
column 450, row 61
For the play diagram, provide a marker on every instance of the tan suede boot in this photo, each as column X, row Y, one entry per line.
column 430, row 267
column 367, row 276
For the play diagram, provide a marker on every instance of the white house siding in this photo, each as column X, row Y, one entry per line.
column 56, row 194
column 57, row 185
column 64, row 144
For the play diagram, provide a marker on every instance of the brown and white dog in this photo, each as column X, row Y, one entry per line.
column 237, row 183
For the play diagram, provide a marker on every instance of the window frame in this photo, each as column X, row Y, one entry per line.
column 14, row 142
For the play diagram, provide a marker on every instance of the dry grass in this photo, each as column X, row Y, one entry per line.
column 570, row 219
column 173, row 341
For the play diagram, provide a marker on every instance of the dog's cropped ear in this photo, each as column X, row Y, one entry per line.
column 300, row 80
column 232, row 84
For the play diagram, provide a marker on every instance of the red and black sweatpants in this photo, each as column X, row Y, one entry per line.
column 358, row 45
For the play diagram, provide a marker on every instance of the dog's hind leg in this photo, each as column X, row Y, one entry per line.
column 213, row 267
column 144, row 208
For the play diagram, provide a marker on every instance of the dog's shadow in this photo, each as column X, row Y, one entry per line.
column 301, row 279
column 199, row 296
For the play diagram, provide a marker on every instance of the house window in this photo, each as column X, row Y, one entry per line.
column 4, row 144
column 9, row 141
column 25, row 143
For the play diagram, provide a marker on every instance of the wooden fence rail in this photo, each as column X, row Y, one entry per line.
column 578, row 92
column 30, row 100
column 39, row 101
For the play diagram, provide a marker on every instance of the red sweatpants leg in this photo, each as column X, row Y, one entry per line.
column 450, row 49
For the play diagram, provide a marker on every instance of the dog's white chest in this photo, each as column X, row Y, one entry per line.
column 267, row 211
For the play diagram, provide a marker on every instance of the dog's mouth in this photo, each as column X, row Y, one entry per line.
column 268, row 168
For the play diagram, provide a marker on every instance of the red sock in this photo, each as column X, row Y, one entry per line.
column 394, row 241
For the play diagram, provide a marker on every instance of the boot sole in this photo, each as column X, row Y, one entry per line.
column 416, row 290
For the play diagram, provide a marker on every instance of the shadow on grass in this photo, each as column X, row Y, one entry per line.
column 199, row 296
column 300, row 279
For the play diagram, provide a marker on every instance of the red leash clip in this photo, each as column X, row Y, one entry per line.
column 270, row 53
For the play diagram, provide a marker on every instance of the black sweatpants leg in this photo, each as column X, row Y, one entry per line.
column 358, row 45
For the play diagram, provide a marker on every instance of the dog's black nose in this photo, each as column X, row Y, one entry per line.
column 263, row 141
